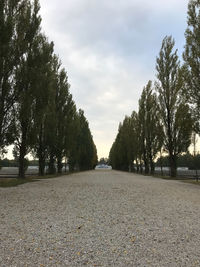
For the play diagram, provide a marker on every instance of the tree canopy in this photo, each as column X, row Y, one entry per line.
column 168, row 111
column 37, row 111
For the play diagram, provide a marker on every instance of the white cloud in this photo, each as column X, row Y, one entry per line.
column 109, row 50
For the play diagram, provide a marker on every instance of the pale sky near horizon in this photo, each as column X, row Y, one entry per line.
column 109, row 50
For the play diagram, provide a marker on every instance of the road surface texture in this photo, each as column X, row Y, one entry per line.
column 100, row 218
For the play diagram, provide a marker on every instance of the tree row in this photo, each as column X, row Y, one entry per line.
column 37, row 111
column 168, row 111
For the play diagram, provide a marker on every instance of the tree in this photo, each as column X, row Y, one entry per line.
column 175, row 113
column 26, row 82
column 142, row 117
column 94, row 159
column 12, row 47
column 37, row 111
column 86, row 148
column 119, row 155
column 43, row 92
column 183, row 160
column 62, row 106
column 73, row 151
column 103, row 161
column 150, row 127
column 82, row 150
column 191, row 57
column 136, row 151
column 128, row 141
column 125, row 148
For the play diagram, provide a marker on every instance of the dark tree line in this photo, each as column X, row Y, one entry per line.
column 37, row 111
column 168, row 109
column 186, row 160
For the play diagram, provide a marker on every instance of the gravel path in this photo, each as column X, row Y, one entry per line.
column 100, row 218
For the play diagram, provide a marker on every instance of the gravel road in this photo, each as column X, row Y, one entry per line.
column 100, row 218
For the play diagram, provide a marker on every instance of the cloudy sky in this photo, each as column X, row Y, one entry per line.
column 109, row 48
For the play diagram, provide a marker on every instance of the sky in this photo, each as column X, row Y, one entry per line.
column 109, row 50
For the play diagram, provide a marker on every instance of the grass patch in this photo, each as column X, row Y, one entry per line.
column 184, row 180
column 191, row 182
column 166, row 177
column 11, row 182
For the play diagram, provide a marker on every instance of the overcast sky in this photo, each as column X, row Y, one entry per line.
column 109, row 49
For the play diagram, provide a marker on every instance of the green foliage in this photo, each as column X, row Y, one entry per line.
column 83, row 156
column 37, row 111
column 8, row 163
column 191, row 57
column 11, row 49
column 11, row 182
column 26, row 74
column 103, row 161
column 175, row 113
column 122, row 153
column 185, row 160
column 139, row 137
column 164, row 121
column 150, row 127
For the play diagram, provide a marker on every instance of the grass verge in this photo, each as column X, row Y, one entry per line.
column 184, row 180
column 10, row 182
column 191, row 182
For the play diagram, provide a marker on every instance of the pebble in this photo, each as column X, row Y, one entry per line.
column 100, row 218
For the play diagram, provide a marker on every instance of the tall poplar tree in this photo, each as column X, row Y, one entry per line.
column 175, row 113
column 61, row 109
column 135, row 140
column 12, row 47
column 85, row 144
column 26, row 82
column 43, row 94
column 142, row 130
column 124, row 150
column 191, row 56
column 150, row 127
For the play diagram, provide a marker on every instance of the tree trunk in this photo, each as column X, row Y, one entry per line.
column 22, row 155
column 59, row 164
column 146, row 165
column 52, row 169
column 141, row 168
column 41, row 166
column 152, row 167
column 173, row 166
column 161, row 164
column 65, row 164
column 131, row 166
column 1, row 128
column 71, row 167
column 137, row 166
column 41, row 153
column 71, row 163
column 77, row 167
